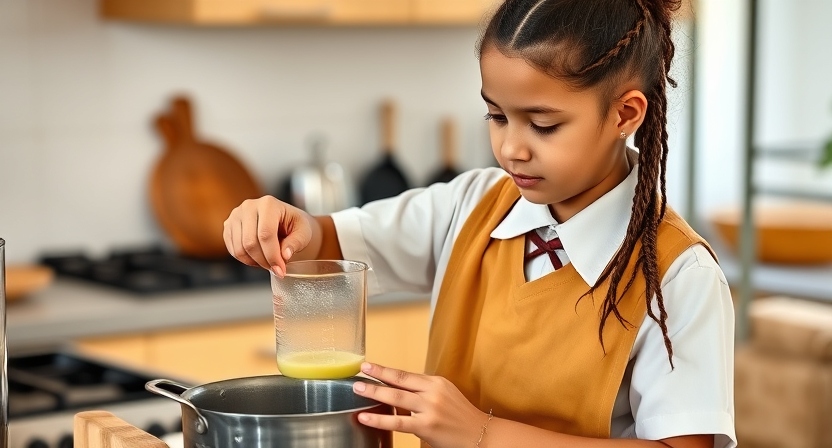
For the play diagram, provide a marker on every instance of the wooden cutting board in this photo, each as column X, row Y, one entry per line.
column 100, row 429
column 195, row 185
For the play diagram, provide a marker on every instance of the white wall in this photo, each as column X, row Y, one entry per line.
column 77, row 96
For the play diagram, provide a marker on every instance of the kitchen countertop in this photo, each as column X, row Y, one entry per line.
column 71, row 309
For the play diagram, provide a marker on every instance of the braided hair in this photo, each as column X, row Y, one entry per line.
column 601, row 44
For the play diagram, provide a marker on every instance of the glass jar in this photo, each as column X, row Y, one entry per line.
column 320, row 309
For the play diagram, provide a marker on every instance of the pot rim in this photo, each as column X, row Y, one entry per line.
column 187, row 395
column 206, row 412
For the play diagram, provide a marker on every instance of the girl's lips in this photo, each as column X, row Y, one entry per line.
column 525, row 181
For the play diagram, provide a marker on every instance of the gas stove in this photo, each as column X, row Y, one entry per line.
column 47, row 389
column 150, row 270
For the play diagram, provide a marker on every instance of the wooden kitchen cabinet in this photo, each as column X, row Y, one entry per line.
column 397, row 336
column 321, row 12
column 451, row 12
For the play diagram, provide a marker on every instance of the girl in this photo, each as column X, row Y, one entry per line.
column 570, row 306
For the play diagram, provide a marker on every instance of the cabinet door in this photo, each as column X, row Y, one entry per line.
column 335, row 12
column 462, row 12
column 128, row 350
column 193, row 12
column 397, row 335
column 253, row 12
column 215, row 352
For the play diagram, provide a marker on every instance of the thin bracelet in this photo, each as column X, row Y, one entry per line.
column 484, row 428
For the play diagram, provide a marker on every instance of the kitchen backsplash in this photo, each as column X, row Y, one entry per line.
column 79, row 95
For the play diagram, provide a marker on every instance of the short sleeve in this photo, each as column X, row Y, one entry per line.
column 696, row 396
column 405, row 238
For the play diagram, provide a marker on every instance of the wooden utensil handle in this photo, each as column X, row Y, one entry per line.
column 183, row 118
column 165, row 127
column 100, row 429
column 388, row 122
column 449, row 147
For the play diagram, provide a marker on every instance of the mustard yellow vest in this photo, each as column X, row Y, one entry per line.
column 530, row 351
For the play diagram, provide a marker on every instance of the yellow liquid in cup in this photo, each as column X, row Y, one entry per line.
column 320, row 365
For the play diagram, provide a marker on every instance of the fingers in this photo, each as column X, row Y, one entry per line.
column 242, row 225
column 267, row 242
column 388, row 422
column 298, row 234
column 231, row 235
column 395, row 397
column 395, row 377
column 251, row 233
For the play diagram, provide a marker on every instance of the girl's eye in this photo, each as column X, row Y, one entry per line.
column 497, row 118
column 545, row 130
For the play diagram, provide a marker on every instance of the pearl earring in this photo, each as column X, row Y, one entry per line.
column 623, row 135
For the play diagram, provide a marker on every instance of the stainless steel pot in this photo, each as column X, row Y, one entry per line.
column 275, row 411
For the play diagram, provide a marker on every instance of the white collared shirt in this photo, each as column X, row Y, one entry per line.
column 407, row 241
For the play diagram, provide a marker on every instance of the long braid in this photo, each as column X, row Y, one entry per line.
column 669, row 49
column 614, row 51
column 657, row 121
column 650, row 201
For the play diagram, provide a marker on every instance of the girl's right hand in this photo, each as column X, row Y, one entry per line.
column 267, row 232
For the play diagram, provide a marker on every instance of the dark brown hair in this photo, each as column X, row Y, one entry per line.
column 600, row 44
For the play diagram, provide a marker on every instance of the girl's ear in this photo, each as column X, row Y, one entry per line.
column 631, row 108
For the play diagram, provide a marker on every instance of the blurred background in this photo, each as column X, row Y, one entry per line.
column 128, row 128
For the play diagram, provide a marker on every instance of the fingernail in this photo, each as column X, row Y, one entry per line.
column 359, row 386
column 287, row 253
column 364, row 418
column 277, row 271
column 366, row 367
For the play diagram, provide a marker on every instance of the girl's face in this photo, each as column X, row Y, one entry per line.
column 559, row 148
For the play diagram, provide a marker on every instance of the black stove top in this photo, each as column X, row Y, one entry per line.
column 154, row 270
column 55, row 381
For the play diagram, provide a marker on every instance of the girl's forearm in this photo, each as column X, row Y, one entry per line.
column 324, row 242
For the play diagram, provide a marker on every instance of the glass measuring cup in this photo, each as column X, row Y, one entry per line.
column 320, row 308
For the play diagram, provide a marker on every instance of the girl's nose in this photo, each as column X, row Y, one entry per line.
column 514, row 146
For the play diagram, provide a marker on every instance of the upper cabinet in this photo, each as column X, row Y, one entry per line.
column 450, row 12
column 321, row 12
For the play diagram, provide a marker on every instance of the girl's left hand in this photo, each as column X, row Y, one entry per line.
column 439, row 413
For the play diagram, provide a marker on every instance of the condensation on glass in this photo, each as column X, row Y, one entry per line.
column 320, row 309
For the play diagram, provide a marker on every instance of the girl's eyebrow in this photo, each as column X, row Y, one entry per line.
column 528, row 110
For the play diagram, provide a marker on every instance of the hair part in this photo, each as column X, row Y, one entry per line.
column 601, row 44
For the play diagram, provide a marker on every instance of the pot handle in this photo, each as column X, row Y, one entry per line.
column 153, row 386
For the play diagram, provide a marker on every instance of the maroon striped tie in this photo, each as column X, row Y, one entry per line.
column 547, row 247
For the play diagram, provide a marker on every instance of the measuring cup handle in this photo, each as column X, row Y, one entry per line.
column 153, row 386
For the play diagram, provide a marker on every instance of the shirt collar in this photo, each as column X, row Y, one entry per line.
column 591, row 237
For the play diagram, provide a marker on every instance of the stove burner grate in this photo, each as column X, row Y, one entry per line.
column 154, row 270
column 51, row 382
